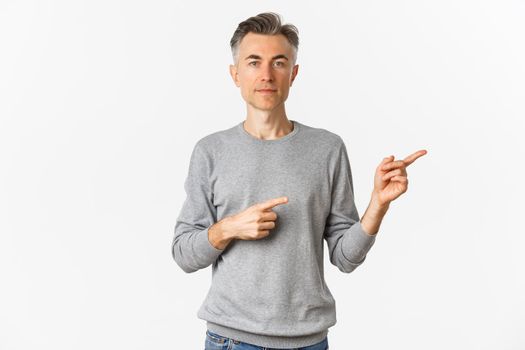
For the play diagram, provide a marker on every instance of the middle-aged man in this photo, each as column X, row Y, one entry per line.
column 261, row 198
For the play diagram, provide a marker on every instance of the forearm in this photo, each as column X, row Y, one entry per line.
column 218, row 235
column 371, row 220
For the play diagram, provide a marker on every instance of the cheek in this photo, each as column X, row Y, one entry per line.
column 246, row 81
column 285, row 77
column 246, row 91
column 246, row 74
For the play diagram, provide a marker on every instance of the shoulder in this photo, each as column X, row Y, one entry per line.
column 323, row 136
column 209, row 144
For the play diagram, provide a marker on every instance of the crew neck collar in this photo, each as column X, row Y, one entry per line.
column 249, row 137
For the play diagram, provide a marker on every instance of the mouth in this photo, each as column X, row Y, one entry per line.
column 266, row 91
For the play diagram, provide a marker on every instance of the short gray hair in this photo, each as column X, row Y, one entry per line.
column 265, row 23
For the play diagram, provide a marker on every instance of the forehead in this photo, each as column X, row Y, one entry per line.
column 263, row 44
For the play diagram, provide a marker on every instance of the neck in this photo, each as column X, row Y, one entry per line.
column 268, row 124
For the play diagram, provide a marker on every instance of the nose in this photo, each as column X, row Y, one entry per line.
column 266, row 72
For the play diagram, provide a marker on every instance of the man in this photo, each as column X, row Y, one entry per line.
column 261, row 198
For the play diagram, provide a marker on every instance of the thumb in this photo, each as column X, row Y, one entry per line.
column 386, row 160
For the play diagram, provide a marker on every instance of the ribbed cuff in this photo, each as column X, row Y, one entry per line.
column 204, row 247
column 357, row 243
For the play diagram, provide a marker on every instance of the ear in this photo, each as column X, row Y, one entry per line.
column 295, row 70
column 234, row 75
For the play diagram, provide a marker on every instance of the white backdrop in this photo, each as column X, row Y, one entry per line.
column 101, row 103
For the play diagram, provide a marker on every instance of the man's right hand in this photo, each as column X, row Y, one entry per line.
column 253, row 223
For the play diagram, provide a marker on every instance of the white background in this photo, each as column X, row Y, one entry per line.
column 101, row 103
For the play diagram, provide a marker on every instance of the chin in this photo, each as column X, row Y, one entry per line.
column 263, row 106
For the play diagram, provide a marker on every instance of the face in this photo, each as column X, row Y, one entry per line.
column 264, row 71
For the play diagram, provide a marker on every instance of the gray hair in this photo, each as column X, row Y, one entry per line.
column 264, row 23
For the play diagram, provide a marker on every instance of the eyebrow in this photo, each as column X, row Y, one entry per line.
column 257, row 57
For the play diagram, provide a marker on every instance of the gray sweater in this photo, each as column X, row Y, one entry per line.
column 271, row 292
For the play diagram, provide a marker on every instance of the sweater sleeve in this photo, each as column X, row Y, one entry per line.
column 347, row 242
column 191, row 248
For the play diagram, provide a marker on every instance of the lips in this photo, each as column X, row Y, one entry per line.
column 266, row 90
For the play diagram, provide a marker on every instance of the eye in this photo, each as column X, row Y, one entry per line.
column 252, row 62
column 279, row 63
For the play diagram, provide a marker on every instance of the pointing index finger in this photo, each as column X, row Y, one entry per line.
column 273, row 202
column 411, row 158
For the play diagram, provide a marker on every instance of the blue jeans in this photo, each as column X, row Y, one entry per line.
column 218, row 342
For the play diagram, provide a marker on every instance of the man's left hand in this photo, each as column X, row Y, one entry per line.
column 391, row 180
